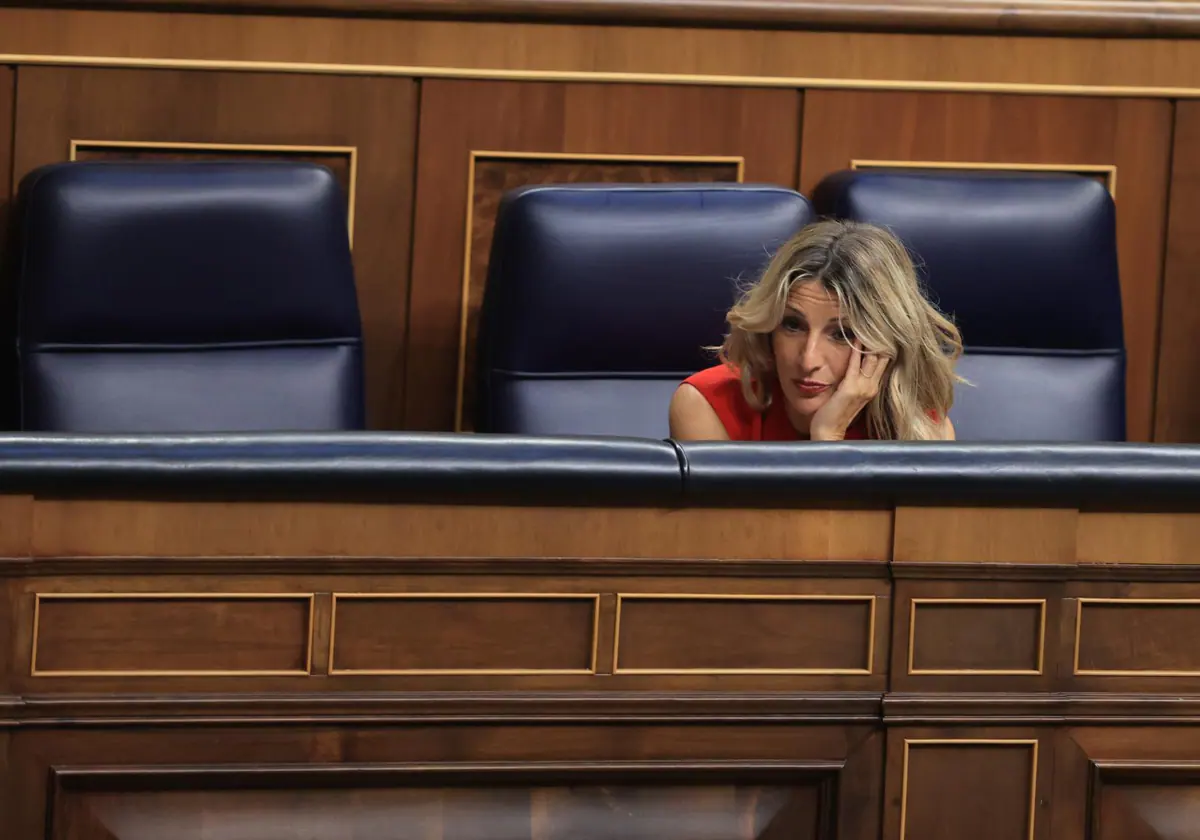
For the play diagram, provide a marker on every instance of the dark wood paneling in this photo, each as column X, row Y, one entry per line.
column 1177, row 415
column 1175, row 19
column 495, row 176
column 512, row 803
column 1139, row 635
column 458, row 117
column 8, row 91
column 493, row 634
column 744, row 633
column 144, row 636
column 1132, row 134
column 478, row 755
column 989, row 784
column 375, row 115
column 975, row 635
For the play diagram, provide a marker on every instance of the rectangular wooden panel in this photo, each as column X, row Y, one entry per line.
column 464, row 633
column 363, row 128
column 694, row 133
column 449, row 803
column 1137, row 637
column 71, row 528
column 8, row 93
column 1134, row 135
column 733, row 634
column 1025, row 536
column 992, row 785
column 1177, row 409
column 1170, row 539
column 171, row 634
column 977, row 636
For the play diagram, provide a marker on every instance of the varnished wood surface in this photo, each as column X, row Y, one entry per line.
column 681, row 54
column 374, row 117
column 506, row 687
column 1100, row 17
column 689, row 127
column 1178, row 400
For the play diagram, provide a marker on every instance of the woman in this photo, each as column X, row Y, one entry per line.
column 834, row 342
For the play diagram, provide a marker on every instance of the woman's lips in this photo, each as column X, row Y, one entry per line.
column 809, row 387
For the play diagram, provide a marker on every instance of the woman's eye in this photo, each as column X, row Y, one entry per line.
column 845, row 336
column 792, row 324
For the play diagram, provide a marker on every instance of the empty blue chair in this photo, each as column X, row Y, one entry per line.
column 1027, row 267
column 186, row 297
column 601, row 298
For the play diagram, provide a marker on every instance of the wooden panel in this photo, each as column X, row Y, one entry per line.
column 1132, row 811
column 1137, row 636
column 158, row 529
column 976, row 636
column 9, row 409
column 465, row 634
column 353, row 753
column 460, row 117
column 492, row 176
column 493, row 46
column 1100, row 17
column 1177, row 415
column 728, row 811
column 171, row 635
column 979, row 788
column 1132, row 134
column 985, row 535
column 8, row 92
column 1139, row 538
column 813, row 634
column 375, row 116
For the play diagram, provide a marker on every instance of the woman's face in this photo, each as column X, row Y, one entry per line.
column 812, row 348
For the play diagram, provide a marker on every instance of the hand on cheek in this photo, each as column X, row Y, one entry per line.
column 864, row 375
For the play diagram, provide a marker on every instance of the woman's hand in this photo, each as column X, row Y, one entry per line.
column 860, row 385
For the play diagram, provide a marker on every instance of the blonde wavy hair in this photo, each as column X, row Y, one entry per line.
column 870, row 272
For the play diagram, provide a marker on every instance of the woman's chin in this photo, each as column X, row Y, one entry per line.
column 806, row 407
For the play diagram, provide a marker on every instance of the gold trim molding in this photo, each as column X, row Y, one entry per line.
column 1109, row 171
column 173, row 596
column 594, row 598
column 1041, row 639
column 1121, row 602
column 872, row 600
column 465, row 288
column 597, row 76
column 979, row 742
column 348, row 151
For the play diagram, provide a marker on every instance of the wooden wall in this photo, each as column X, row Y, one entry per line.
column 427, row 122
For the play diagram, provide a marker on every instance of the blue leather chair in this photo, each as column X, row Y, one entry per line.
column 1027, row 267
column 186, row 297
column 601, row 298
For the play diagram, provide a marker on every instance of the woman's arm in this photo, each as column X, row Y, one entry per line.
column 692, row 418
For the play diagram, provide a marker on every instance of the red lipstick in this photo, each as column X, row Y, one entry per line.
column 809, row 387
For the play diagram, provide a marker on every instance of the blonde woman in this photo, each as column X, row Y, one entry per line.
column 834, row 342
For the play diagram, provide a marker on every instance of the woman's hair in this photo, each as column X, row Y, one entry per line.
column 875, row 282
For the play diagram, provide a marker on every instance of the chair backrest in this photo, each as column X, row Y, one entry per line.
column 177, row 297
column 1026, row 264
column 602, row 298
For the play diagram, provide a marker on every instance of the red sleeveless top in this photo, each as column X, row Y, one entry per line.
column 722, row 387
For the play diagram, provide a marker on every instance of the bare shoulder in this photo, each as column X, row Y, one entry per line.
column 692, row 418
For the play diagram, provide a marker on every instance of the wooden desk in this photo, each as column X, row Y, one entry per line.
column 309, row 669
